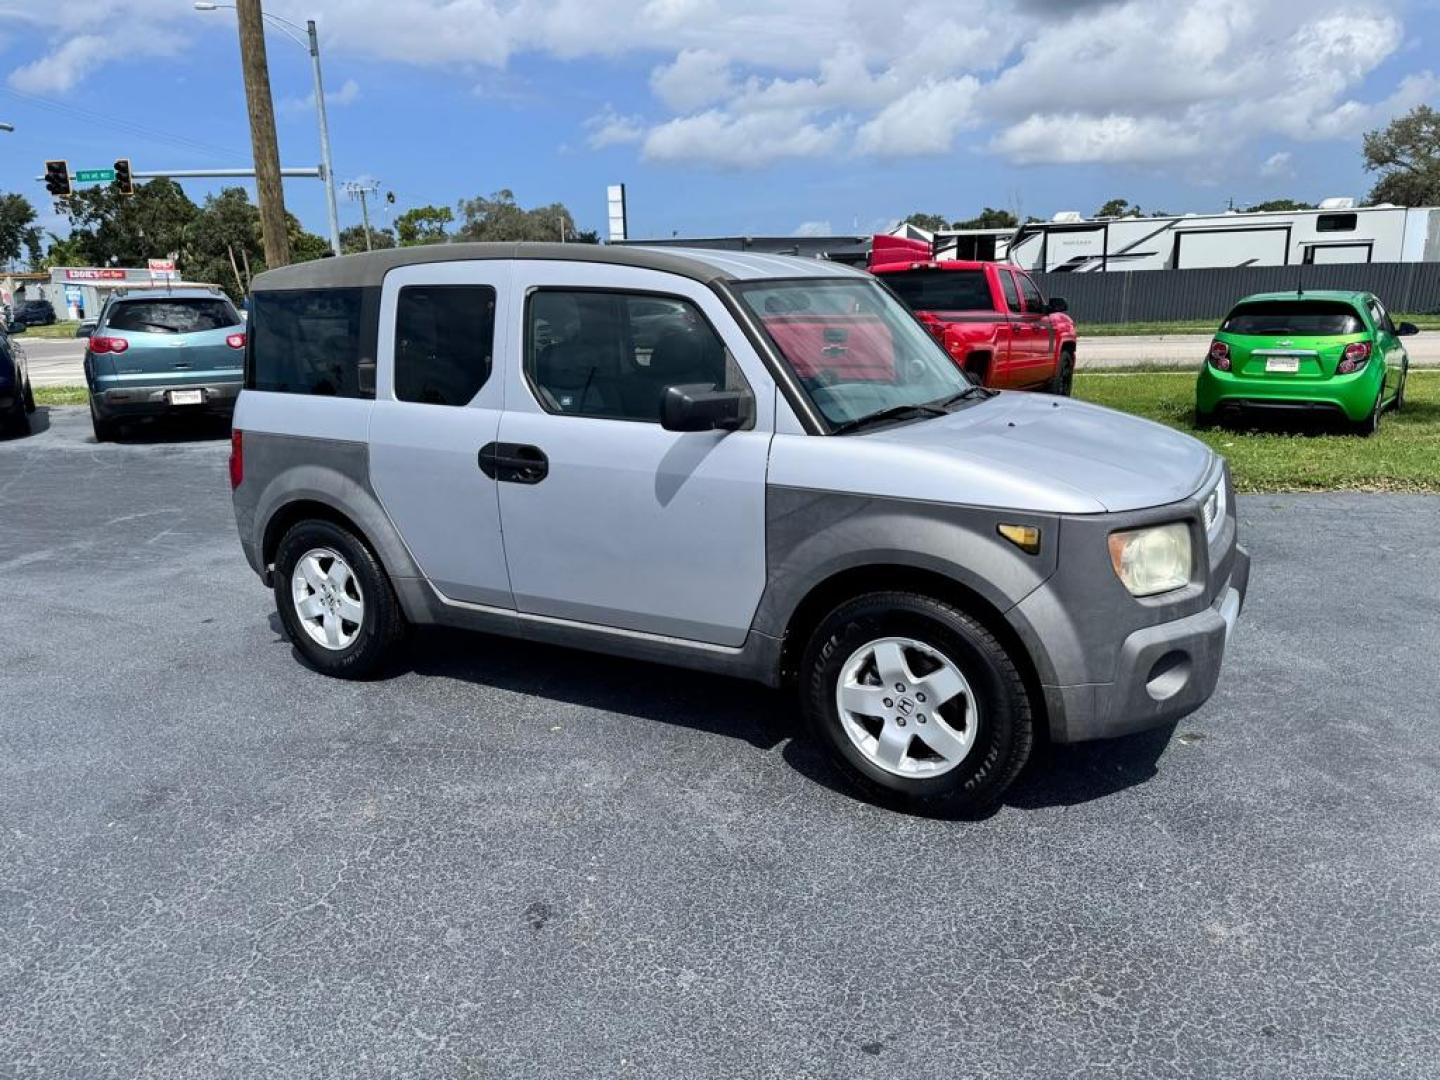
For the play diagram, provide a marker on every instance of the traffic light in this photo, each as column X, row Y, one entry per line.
column 57, row 178
column 124, row 184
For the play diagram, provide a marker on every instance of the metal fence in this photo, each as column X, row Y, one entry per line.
column 1169, row 295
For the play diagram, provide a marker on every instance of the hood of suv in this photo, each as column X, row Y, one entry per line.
column 1018, row 450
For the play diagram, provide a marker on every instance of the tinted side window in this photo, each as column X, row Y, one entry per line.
column 1381, row 317
column 444, row 342
column 612, row 355
column 1336, row 222
column 1034, row 302
column 310, row 341
column 1012, row 297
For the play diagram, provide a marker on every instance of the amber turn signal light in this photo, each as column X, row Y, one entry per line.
column 1025, row 537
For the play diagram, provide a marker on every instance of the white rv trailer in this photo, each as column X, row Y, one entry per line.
column 1338, row 232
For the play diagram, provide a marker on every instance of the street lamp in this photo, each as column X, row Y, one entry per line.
column 311, row 43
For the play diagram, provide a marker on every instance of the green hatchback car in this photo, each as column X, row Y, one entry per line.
column 1328, row 352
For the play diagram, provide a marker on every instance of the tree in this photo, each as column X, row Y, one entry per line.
column 1279, row 206
column 499, row 217
column 1117, row 208
column 109, row 228
column 352, row 239
column 424, row 225
column 1406, row 154
column 18, row 231
column 989, row 218
column 929, row 222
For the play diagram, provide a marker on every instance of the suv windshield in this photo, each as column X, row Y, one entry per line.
column 854, row 349
column 1300, row 318
column 176, row 315
column 942, row 290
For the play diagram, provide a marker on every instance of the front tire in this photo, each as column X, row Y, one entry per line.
column 917, row 702
column 1063, row 384
column 335, row 601
column 29, row 396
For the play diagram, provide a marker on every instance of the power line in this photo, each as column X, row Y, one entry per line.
column 128, row 127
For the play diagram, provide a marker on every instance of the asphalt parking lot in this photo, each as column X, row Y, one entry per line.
column 515, row 861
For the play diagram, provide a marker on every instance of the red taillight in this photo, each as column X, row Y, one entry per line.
column 235, row 341
column 108, row 344
column 237, row 458
column 1356, row 355
column 1220, row 355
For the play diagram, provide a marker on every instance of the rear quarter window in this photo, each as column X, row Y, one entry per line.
column 313, row 341
column 1300, row 318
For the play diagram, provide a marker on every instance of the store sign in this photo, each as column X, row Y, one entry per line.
column 94, row 275
column 162, row 269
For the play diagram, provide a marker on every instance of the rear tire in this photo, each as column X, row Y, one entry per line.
column 1399, row 402
column 1063, row 384
column 1371, row 424
column 971, row 742
column 354, row 582
column 105, row 430
column 29, row 396
column 17, row 420
column 1204, row 421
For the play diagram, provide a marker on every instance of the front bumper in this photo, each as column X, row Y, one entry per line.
column 215, row 397
column 1162, row 672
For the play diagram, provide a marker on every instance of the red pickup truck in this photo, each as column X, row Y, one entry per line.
column 990, row 317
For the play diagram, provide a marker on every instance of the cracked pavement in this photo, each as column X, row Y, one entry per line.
column 517, row 861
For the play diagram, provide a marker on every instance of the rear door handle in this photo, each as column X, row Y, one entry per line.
column 514, row 463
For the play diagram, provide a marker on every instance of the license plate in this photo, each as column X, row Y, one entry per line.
column 187, row 397
column 1283, row 363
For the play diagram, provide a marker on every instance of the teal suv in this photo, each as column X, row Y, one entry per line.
column 156, row 352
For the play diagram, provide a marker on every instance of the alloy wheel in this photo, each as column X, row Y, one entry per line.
column 906, row 707
column 327, row 597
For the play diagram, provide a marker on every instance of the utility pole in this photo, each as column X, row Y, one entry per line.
column 262, row 132
column 357, row 190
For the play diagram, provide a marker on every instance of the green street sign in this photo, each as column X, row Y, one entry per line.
column 86, row 176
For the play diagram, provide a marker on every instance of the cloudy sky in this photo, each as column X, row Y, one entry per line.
column 753, row 116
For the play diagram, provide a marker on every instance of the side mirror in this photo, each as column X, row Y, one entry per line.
column 1406, row 329
column 698, row 407
column 85, row 329
column 1056, row 306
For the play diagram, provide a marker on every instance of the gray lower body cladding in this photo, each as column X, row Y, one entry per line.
column 1104, row 662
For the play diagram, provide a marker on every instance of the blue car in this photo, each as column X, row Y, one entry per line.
column 157, row 352
column 17, row 399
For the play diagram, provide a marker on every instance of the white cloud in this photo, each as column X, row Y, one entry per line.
column 609, row 128
column 348, row 94
column 1152, row 81
column 718, row 138
column 813, row 228
column 923, row 121
column 696, row 78
column 1278, row 166
column 1073, row 138
column 60, row 70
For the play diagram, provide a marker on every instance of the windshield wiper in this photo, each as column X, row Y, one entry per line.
column 895, row 412
column 973, row 390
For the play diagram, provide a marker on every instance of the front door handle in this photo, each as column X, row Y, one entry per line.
column 514, row 463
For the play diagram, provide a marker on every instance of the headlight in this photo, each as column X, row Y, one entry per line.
column 1153, row 560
